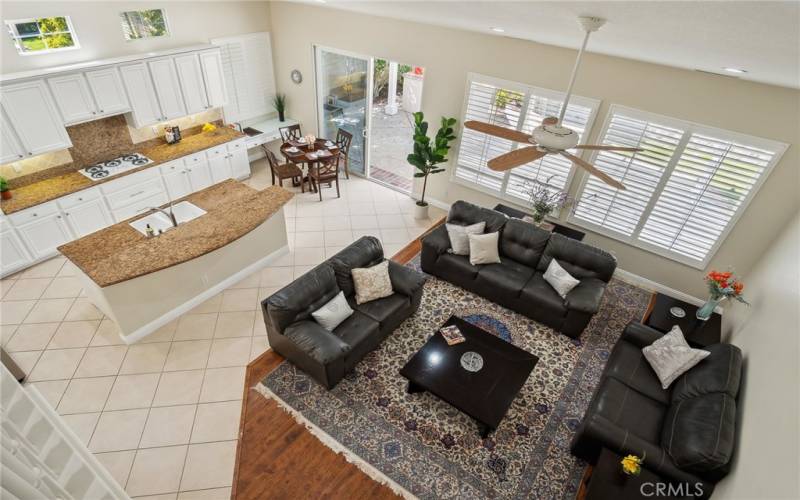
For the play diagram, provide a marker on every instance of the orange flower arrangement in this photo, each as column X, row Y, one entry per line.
column 725, row 286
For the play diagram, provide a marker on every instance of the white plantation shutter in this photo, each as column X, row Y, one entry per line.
column 684, row 191
column 520, row 107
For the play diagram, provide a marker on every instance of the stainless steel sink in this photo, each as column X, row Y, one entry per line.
column 183, row 211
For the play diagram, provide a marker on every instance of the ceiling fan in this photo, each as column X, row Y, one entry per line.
column 551, row 137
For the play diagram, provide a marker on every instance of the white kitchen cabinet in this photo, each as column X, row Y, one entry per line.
column 73, row 97
column 219, row 163
column 88, row 217
column 44, row 232
column 13, row 254
column 211, row 63
column 192, row 86
column 109, row 95
column 176, row 178
column 168, row 89
column 198, row 171
column 240, row 163
column 142, row 95
column 10, row 147
column 34, row 117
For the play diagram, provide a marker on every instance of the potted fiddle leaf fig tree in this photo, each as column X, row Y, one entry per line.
column 428, row 155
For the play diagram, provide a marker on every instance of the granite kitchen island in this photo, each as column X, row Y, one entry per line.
column 143, row 282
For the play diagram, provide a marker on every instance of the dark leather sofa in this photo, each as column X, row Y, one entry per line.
column 328, row 355
column 517, row 282
column 686, row 433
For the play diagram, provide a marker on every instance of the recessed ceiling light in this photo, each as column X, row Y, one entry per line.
column 322, row 1
column 735, row 70
column 497, row 29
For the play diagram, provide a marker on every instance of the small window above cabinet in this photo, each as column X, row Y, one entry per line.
column 87, row 96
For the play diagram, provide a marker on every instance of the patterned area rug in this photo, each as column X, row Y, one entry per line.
column 431, row 450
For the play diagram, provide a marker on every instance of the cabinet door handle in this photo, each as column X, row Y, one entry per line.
column 30, row 154
column 20, row 156
column 94, row 112
column 102, row 111
column 66, row 213
column 58, row 216
column 80, row 199
column 35, row 214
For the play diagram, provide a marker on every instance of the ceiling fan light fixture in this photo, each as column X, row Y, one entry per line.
column 555, row 137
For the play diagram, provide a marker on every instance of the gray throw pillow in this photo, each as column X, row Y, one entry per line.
column 372, row 283
column 560, row 279
column 333, row 312
column 670, row 356
column 483, row 248
column 459, row 236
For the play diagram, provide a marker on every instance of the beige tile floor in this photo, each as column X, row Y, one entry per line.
column 163, row 414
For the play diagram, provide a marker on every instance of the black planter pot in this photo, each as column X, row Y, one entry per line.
column 281, row 116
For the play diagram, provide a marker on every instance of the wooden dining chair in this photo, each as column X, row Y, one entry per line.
column 283, row 171
column 343, row 141
column 290, row 133
column 325, row 171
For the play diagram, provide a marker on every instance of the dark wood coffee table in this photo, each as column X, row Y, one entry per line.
column 484, row 395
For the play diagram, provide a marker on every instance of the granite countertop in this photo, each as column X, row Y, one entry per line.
column 71, row 182
column 119, row 253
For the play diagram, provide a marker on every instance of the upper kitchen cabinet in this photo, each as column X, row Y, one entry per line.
column 211, row 63
column 144, row 103
column 73, row 98
column 168, row 89
column 191, row 79
column 34, row 117
column 107, row 90
column 10, row 147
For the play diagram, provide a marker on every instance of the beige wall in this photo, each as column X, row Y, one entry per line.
column 449, row 54
column 767, row 462
column 100, row 34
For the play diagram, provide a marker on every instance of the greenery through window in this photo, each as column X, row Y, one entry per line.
column 42, row 35
column 137, row 24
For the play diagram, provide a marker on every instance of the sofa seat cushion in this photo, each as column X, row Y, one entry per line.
column 386, row 310
column 721, row 371
column 361, row 333
column 538, row 294
column 628, row 365
column 504, row 280
column 456, row 269
column 699, row 432
column 629, row 409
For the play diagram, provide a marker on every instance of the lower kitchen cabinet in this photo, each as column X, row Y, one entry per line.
column 199, row 175
column 13, row 255
column 219, row 163
column 240, row 163
column 176, row 179
column 87, row 218
column 45, row 234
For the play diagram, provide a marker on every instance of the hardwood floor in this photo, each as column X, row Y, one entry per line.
column 278, row 458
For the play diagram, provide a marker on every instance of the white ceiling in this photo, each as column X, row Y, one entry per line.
column 761, row 37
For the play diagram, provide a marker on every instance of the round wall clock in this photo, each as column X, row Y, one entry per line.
column 297, row 77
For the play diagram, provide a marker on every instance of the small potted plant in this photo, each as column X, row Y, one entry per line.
column 5, row 192
column 279, row 102
column 545, row 200
column 721, row 286
column 427, row 155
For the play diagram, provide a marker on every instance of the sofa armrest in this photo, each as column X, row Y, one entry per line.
column 405, row 280
column 640, row 335
column 316, row 342
column 586, row 296
column 437, row 240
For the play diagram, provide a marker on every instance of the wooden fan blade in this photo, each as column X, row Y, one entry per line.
column 605, row 148
column 497, row 131
column 515, row 158
column 594, row 171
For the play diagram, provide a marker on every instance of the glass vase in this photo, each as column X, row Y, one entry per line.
column 706, row 310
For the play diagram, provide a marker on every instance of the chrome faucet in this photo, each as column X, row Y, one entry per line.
column 169, row 214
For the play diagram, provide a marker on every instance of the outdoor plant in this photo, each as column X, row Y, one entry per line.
column 428, row 154
column 4, row 188
column 279, row 103
column 545, row 200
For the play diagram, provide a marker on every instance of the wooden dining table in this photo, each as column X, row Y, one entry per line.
column 306, row 155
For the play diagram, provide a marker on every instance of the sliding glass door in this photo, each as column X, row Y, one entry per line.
column 343, row 96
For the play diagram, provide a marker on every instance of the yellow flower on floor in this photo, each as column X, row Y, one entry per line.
column 209, row 127
column 632, row 465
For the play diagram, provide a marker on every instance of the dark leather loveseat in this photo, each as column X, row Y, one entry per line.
column 685, row 433
column 328, row 355
column 517, row 282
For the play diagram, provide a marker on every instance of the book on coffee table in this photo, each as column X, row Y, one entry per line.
column 452, row 335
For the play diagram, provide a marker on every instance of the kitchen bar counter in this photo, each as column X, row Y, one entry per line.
column 120, row 253
column 62, row 185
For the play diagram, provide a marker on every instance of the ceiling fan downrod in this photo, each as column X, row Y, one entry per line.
column 590, row 25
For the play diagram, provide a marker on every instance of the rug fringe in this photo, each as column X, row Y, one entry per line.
column 336, row 446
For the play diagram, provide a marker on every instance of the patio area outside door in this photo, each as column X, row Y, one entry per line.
column 344, row 91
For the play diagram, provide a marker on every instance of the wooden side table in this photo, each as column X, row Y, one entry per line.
column 697, row 333
column 557, row 228
column 608, row 482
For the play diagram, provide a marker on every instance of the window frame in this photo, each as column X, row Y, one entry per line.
column 15, row 36
column 527, row 90
column 689, row 128
column 166, row 24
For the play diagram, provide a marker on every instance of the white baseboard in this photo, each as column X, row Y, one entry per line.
column 652, row 286
column 199, row 299
column 438, row 203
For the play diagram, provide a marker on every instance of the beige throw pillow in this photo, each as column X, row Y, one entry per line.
column 483, row 248
column 333, row 312
column 670, row 356
column 372, row 282
column 459, row 236
column 560, row 279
